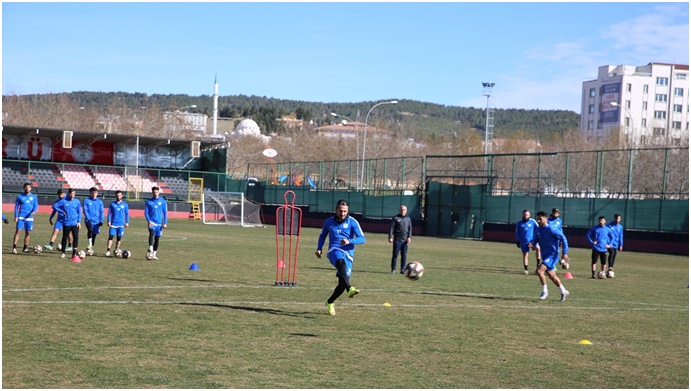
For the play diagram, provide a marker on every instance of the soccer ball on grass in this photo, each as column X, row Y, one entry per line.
column 413, row 270
column 126, row 254
column 149, row 256
column 38, row 249
column 81, row 254
column 117, row 252
column 601, row 275
column 89, row 252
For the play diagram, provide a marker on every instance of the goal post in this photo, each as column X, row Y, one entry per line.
column 230, row 208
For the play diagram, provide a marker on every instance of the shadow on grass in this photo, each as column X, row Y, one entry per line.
column 306, row 315
column 474, row 296
column 193, row 279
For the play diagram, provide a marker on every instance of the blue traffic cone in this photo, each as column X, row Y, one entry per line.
column 194, row 266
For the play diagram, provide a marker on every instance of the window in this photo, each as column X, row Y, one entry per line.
column 645, row 106
column 645, row 88
column 660, row 97
column 658, row 132
column 660, row 115
column 591, row 109
column 676, row 124
column 678, row 92
column 627, row 104
column 677, row 108
column 644, row 122
column 628, row 87
column 592, row 92
column 662, row 81
column 680, row 76
column 627, row 121
column 590, row 125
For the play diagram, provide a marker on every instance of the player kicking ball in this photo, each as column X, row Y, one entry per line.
column 156, row 214
column 548, row 237
column 344, row 233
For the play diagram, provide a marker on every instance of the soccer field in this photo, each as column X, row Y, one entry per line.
column 473, row 321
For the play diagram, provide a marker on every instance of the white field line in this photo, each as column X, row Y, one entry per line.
column 616, row 305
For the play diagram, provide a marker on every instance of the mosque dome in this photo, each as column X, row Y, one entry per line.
column 248, row 127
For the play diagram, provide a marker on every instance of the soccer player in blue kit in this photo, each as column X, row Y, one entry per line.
column 156, row 214
column 93, row 217
column 549, row 237
column 25, row 207
column 71, row 208
column 344, row 233
column 525, row 231
column 118, row 220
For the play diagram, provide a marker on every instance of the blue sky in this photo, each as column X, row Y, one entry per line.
column 537, row 54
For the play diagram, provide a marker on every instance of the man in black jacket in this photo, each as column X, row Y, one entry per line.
column 399, row 234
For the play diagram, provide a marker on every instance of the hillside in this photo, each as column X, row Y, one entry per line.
column 408, row 118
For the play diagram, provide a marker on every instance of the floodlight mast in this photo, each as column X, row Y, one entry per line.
column 488, row 139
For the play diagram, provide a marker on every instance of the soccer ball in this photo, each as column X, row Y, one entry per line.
column 89, row 252
column 81, row 254
column 610, row 274
column 117, row 252
column 564, row 264
column 126, row 254
column 38, row 249
column 413, row 270
column 149, row 256
column 601, row 275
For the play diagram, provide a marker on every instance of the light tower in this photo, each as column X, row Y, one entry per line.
column 489, row 118
column 215, row 103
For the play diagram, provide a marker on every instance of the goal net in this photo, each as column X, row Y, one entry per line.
column 230, row 208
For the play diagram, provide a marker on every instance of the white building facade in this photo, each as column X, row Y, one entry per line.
column 648, row 105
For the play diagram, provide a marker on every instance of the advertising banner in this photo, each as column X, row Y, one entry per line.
column 26, row 147
column 609, row 93
column 85, row 152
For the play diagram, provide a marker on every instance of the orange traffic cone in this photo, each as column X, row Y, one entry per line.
column 568, row 276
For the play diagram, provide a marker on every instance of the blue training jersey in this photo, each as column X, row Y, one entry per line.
column 72, row 209
column 602, row 235
column 25, row 205
column 118, row 214
column 61, row 217
column 555, row 222
column 156, row 211
column 618, row 232
column 349, row 229
column 93, row 210
column 525, row 230
column 548, row 238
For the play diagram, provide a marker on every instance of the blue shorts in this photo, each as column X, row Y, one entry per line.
column 334, row 256
column 95, row 228
column 58, row 225
column 551, row 261
column 27, row 225
column 116, row 231
column 158, row 229
column 526, row 248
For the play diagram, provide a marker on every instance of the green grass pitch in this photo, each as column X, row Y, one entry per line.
column 473, row 321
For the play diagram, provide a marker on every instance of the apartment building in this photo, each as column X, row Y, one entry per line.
column 645, row 105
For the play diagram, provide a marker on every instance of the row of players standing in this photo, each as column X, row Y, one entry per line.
column 69, row 214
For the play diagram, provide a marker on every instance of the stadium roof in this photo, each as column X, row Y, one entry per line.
column 56, row 136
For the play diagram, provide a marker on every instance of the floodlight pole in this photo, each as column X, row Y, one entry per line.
column 364, row 141
column 487, row 93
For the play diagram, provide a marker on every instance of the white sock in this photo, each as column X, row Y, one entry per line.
column 155, row 253
column 562, row 289
column 544, row 288
column 151, row 249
